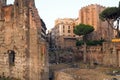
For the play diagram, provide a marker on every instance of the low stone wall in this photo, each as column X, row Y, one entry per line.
column 63, row 76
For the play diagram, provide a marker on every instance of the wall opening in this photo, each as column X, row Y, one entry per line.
column 11, row 54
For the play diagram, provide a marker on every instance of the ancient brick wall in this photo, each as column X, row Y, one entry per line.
column 108, row 54
column 20, row 43
column 95, row 54
column 111, row 54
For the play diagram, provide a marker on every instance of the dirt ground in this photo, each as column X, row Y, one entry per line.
column 84, row 73
column 93, row 74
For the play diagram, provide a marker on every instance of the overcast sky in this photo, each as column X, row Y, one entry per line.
column 50, row 10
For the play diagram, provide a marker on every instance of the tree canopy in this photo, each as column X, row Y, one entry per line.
column 110, row 13
column 83, row 29
column 90, row 42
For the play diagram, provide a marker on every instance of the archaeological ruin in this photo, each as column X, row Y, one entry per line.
column 23, row 47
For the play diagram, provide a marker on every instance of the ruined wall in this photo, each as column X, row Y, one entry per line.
column 20, row 42
column 111, row 54
column 13, row 41
column 108, row 54
column 95, row 54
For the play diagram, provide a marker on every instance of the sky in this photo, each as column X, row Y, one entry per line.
column 50, row 10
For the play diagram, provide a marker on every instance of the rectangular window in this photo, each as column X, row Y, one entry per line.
column 73, row 27
column 68, row 31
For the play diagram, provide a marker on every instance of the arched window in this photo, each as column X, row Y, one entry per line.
column 11, row 54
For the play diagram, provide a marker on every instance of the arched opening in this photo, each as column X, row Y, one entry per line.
column 11, row 57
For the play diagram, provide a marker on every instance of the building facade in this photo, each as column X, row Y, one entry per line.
column 90, row 15
column 23, row 51
column 62, row 34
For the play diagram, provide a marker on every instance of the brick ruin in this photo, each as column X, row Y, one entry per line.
column 23, row 48
column 107, row 54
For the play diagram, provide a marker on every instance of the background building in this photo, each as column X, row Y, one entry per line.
column 62, row 34
column 90, row 15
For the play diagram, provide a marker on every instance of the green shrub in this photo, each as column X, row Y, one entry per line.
column 90, row 42
column 79, row 43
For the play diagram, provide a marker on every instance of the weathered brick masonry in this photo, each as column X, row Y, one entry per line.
column 22, row 49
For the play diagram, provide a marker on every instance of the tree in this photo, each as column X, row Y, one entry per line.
column 110, row 15
column 83, row 30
